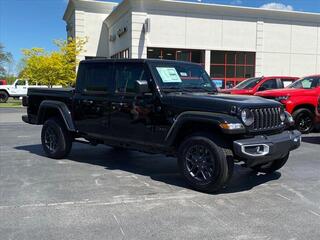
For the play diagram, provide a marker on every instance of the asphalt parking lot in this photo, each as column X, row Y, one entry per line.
column 99, row 193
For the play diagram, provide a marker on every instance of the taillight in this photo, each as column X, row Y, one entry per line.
column 319, row 104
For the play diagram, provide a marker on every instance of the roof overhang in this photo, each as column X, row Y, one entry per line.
column 88, row 6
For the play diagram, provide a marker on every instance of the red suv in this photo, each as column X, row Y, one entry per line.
column 252, row 85
column 301, row 99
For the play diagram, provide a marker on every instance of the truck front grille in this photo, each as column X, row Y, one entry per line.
column 266, row 119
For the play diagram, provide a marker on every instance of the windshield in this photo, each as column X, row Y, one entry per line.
column 182, row 77
column 248, row 83
column 306, row 83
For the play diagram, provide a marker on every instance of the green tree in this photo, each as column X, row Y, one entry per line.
column 5, row 58
column 52, row 68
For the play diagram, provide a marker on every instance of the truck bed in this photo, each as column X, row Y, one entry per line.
column 36, row 96
column 52, row 92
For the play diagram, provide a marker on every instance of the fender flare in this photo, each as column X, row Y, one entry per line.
column 198, row 117
column 6, row 91
column 61, row 107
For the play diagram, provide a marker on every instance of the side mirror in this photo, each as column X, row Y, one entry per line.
column 262, row 88
column 141, row 86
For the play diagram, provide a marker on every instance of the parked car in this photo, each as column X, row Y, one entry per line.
column 3, row 82
column 18, row 89
column 301, row 100
column 252, row 85
column 169, row 107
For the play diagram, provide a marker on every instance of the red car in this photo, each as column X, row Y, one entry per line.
column 252, row 85
column 301, row 99
column 3, row 82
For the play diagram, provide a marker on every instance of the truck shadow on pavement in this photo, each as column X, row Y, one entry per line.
column 157, row 167
column 311, row 139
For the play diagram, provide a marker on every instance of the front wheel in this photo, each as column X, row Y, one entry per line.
column 204, row 164
column 56, row 139
column 271, row 166
column 3, row 97
column 304, row 120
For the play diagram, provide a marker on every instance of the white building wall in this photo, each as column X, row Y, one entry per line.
column 290, row 48
column 96, row 34
column 123, row 42
column 283, row 46
column 138, row 36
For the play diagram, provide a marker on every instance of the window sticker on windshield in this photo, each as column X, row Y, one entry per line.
column 169, row 75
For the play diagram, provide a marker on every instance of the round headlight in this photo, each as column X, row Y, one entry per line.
column 282, row 115
column 247, row 117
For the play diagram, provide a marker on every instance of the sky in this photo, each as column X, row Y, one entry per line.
column 36, row 23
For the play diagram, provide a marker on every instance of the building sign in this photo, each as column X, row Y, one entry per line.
column 122, row 31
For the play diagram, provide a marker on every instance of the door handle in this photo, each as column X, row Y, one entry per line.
column 117, row 105
column 87, row 101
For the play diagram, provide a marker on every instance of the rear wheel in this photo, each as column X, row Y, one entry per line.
column 3, row 97
column 304, row 120
column 56, row 139
column 271, row 166
column 204, row 164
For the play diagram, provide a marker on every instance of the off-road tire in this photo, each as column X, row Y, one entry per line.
column 56, row 129
column 3, row 96
column 271, row 166
column 220, row 157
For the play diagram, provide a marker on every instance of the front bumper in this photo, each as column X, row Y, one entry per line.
column 262, row 149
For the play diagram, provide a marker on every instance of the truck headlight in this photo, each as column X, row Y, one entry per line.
column 282, row 115
column 247, row 117
column 289, row 118
column 281, row 98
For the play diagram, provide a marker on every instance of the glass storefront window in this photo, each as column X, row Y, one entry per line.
column 217, row 57
column 232, row 66
column 154, row 53
column 196, row 56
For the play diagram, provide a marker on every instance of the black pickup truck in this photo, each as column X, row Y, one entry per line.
column 168, row 107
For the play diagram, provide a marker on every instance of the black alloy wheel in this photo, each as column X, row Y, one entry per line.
column 56, row 139
column 204, row 162
column 200, row 163
column 304, row 120
column 50, row 139
column 3, row 97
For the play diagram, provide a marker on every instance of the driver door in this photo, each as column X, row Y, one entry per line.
column 20, row 87
column 132, row 114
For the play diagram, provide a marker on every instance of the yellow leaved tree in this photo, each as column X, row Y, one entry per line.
column 52, row 68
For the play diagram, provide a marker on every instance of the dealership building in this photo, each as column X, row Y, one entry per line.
column 231, row 42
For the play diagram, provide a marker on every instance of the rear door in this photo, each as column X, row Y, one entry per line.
column 285, row 82
column 92, row 98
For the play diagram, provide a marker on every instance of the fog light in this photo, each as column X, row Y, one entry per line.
column 297, row 139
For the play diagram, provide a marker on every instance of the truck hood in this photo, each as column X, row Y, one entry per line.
column 216, row 102
column 5, row 86
column 237, row 91
column 282, row 92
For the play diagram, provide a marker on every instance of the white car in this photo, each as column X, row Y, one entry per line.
column 18, row 89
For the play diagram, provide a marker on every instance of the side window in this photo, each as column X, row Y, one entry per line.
column 286, row 82
column 126, row 74
column 21, row 83
column 269, row 84
column 98, row 77
column 316, row 82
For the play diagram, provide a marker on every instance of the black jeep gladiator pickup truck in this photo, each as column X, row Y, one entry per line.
column 168, row 107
